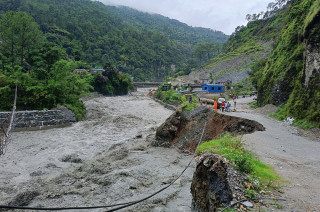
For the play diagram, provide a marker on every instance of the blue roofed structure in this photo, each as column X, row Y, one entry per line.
column 213, row 88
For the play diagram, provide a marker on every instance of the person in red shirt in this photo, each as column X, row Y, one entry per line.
column 223, row 104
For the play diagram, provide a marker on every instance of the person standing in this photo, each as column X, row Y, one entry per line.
column 235, row 105
column 223, row 105
column 215, row 105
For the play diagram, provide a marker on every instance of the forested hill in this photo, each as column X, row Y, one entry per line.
column 172, row 28
column 281, row 54
column 98, row 34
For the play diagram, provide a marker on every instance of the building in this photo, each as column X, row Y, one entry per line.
column 80, row 71
column 213, row 88
column 97, row 71
column 228, row 82
column 204, row 80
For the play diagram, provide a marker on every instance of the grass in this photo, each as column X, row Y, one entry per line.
column 172, row 97
column 232, row 148
column 253, row 105
column 187, row 106
column 304, row 124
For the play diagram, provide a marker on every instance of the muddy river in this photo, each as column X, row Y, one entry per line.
column 104, row 160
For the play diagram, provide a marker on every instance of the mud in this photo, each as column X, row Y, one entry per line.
column 184, row 129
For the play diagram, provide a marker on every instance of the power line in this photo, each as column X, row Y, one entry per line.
column 6, row 133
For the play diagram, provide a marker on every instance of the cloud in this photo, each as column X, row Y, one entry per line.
column 222, row 15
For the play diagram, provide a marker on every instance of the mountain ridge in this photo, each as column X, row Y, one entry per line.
column 92, row 32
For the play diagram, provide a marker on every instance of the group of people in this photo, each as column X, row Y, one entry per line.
column 225, row 107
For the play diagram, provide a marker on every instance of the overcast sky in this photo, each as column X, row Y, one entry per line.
column 222, row 15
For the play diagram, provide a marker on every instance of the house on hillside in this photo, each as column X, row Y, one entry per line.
column 204, row 80
column 213, row 88
column 97, row 71
column 80, row 71
column 227, row 82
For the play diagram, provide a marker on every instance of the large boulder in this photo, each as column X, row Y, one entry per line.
column 215, row 183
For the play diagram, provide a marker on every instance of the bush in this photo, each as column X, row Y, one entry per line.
column 232, row 148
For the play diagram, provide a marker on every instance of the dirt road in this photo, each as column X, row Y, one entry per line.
column 295, row 157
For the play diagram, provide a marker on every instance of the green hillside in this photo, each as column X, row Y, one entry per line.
column 98, row 34
column 175, row 30
column 290, row 76
column 281, row 55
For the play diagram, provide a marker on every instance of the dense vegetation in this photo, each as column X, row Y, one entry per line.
column 147, row 48
column 42, row 72
column 174, row 98
column 281, row 78
column 43, row 41
column 276, row 46
column 174, row 29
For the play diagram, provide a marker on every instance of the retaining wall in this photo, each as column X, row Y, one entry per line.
column 40, row 118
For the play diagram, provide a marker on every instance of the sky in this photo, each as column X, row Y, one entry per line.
column 221, row 15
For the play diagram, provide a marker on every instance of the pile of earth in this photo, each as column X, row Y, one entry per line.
column 184, row 129
column 266, row 110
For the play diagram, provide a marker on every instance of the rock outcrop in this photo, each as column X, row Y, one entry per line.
column 215, row 183
column 184, row 129
column 312, row 50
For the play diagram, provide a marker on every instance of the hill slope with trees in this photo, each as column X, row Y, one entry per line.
column 98, row 34
column 280, row 53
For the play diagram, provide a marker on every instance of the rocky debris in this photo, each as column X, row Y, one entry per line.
column 247, row 204
column 184, row 129
column 234, row 68
column 72, row 158
column 215, row 183
column 313, row 134
column 24, row 198
column 37, row 173
column 68, row 114
column 266, row 110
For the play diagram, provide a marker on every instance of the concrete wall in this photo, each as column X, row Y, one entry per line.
column 43, row 118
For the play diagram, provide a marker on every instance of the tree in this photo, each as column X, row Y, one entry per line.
column 20, row 34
